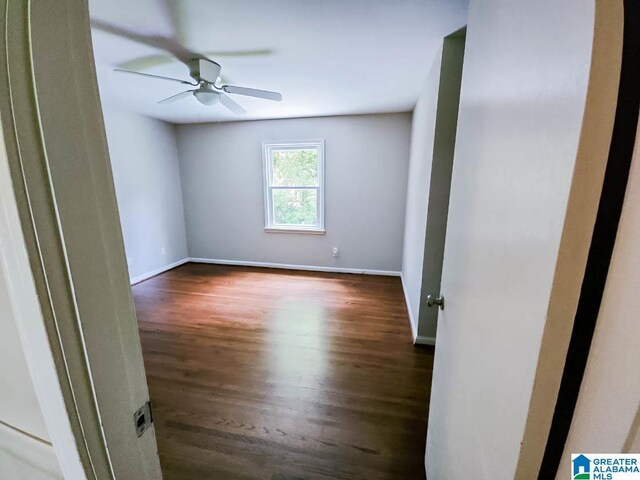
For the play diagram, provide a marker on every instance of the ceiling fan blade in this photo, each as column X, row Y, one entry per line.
column 153, row 61
column 231, row 104
column 176, row 97
column 253, row 92
column 184, row 82
column 148, row 62
column 239, row 53
column 168, row 44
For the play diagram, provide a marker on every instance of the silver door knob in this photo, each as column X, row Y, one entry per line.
column 431, row 301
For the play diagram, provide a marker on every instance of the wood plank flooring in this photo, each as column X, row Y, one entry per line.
column 283, row 375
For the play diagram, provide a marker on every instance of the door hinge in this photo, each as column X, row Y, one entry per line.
column 143, row 419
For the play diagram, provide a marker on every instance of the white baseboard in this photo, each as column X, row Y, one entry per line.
column 417, row 339
column 412, row 323
column 285, row 266
column 422, row 340
column 158, row 271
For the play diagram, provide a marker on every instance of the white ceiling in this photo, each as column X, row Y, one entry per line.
column 326, row 57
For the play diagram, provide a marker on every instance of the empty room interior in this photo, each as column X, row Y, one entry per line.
column 266, row 233
column 314, row 240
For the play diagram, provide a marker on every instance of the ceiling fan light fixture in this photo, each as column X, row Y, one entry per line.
column 205, row 97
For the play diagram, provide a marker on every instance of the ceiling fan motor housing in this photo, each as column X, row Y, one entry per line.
column 203, row 69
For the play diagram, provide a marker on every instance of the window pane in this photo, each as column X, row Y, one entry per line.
column 294, row 168
column 295, row 206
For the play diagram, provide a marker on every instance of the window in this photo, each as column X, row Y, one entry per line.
column 294, row 186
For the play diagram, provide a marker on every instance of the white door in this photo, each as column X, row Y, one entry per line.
column 524, row 85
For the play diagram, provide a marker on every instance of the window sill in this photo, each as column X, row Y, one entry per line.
column 304, row 231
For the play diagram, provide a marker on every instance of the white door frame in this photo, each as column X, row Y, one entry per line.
column 15, row 269
column 65, row 245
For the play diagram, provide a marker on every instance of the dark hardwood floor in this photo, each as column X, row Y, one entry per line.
column 283, row 375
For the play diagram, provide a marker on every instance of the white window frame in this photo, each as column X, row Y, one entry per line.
column 269, row 225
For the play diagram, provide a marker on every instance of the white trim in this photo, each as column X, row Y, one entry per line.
column 309, row 231
column 285, row 266
column 267, row 147
column 422, row 340
column 23, row 298
column 417, row 339
column 414, row 326
column 158, row 271
column 26, row 456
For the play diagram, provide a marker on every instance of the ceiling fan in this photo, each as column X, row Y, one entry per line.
column 206, row 74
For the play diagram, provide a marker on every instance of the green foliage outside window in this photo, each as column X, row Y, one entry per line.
column 295, row 168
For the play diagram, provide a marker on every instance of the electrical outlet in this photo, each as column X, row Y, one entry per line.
column 162, row 251
column 334, row 251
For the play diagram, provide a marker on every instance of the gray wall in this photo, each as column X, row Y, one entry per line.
column 422, row 141
column 144, row 158
column 432, row 146
column 366, row 174
column 440, row 181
